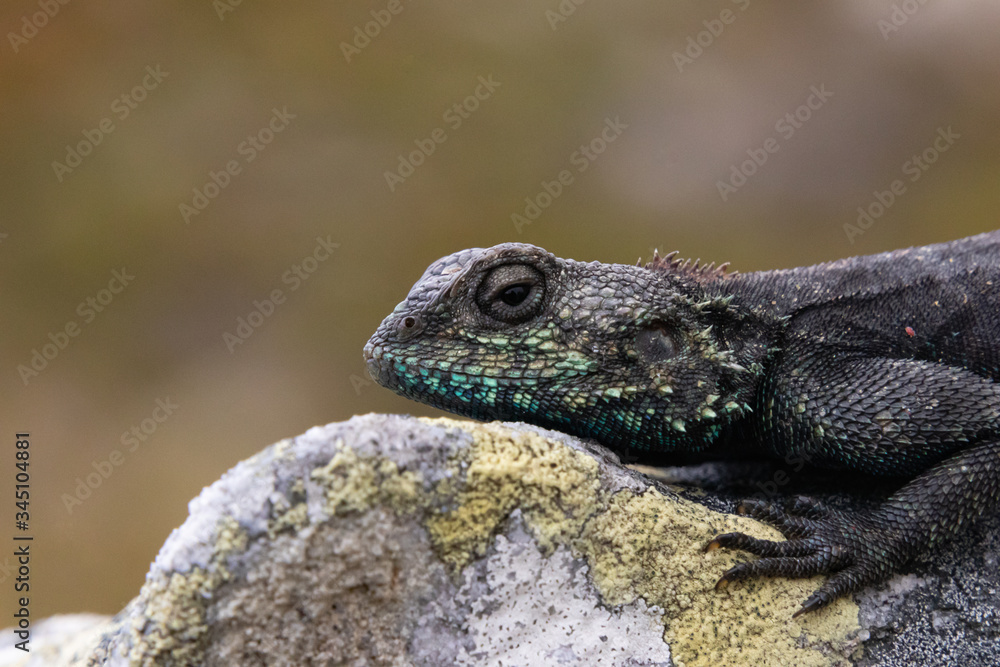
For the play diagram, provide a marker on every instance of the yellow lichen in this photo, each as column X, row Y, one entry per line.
column 355, row 484
column 289, row 517
column 554, row 486
column 173, row 621
column 652, row 547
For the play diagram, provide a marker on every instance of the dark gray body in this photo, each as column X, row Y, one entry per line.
column 886, row 365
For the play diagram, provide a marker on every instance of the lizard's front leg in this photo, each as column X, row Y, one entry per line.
column 865, row 548
column 890, row 416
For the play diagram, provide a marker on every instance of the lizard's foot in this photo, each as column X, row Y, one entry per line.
column 850, row 548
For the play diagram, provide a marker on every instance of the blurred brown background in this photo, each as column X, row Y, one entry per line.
column 689, row 88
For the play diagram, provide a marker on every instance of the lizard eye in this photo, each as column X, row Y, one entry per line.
column 512, row 293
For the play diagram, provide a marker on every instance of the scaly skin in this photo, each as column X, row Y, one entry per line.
column 887, row 365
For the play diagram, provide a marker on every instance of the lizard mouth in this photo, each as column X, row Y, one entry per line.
column 459, row 390
column 421, row 383
column 379, row 368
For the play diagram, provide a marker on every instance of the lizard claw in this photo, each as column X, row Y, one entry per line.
column 815, row 601
column 820, row 542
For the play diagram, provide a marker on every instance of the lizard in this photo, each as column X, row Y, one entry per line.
column 885, row 365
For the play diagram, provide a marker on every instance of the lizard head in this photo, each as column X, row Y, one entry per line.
column 656, row 356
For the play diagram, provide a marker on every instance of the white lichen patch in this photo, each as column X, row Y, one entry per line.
column 540, row 609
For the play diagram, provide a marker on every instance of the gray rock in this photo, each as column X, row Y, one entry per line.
column 390, row 540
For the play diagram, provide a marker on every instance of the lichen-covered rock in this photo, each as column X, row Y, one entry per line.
column 390, row 540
